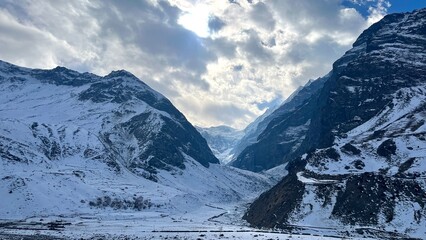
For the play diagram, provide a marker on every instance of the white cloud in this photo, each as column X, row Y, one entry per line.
column 378, row 11
column 196, row 20
column 255, row 52
column 29, row 46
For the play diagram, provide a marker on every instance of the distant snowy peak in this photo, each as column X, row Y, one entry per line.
column 131, row 121
column 222, row 140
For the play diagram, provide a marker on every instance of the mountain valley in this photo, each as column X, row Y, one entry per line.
column 107, row 157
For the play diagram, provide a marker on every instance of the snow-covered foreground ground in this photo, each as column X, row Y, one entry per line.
column 209, row 222
column 196, row 203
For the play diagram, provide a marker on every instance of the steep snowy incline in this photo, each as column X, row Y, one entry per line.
column 76, row 144
column 388, row 56
column 275, row 139
column 135, row 124
column 366, row 168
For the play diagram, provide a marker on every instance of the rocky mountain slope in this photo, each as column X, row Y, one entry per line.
column 252, row 131
column 113, row 118
column 276, row 138
column 362, row 160
column 76, row 143
column 221, row 140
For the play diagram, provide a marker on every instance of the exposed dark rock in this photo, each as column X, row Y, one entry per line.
column 332, row 154
column 273, row 207
column 358, row 164
column 288, row 126
column 350, row 149
column 406, row 165
column 387, row 148
column 64, row 76
column 368, row 194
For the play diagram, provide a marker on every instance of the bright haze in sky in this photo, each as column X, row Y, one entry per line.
column 218, row 61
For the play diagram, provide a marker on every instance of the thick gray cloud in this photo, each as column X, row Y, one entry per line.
column 250, row 54
column 221, row 46
column 156, row 33
column 306, row 14
column 254, row 49
column 229, row 112
column 215, row 24
column 262, row 16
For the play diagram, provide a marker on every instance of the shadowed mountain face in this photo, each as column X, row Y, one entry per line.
column 116, row 118
column 385, row 58
column 361, row 158
column 280, row 134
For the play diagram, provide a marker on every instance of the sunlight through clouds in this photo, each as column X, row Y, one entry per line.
column 229, row 56
column 196, row 20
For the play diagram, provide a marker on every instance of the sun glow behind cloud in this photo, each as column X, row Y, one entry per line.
column 196, row 20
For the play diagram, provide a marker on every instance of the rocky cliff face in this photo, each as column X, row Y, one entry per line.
column 362, row 159
column 253, row 130
column 280, row 134
column 383, row 59
column 116, row 118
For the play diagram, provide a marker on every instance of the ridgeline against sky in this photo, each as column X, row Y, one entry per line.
column 220, row 62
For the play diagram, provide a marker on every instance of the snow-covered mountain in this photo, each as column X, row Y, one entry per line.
column 66, row 111
column 273, row 138
column 74, row 143
column 222, row 141
column 253, row 130
column 362, row 159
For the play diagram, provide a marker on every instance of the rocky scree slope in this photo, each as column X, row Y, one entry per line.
column 363, row 159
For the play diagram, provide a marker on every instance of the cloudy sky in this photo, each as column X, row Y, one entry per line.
column 218, row 61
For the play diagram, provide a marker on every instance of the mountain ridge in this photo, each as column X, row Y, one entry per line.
column 363, row 163
column 74, row 145
column 128, row 108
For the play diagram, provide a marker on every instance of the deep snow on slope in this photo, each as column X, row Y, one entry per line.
column 130, row 122
column 93, row 199
column 386, row 159
column 77, row 186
